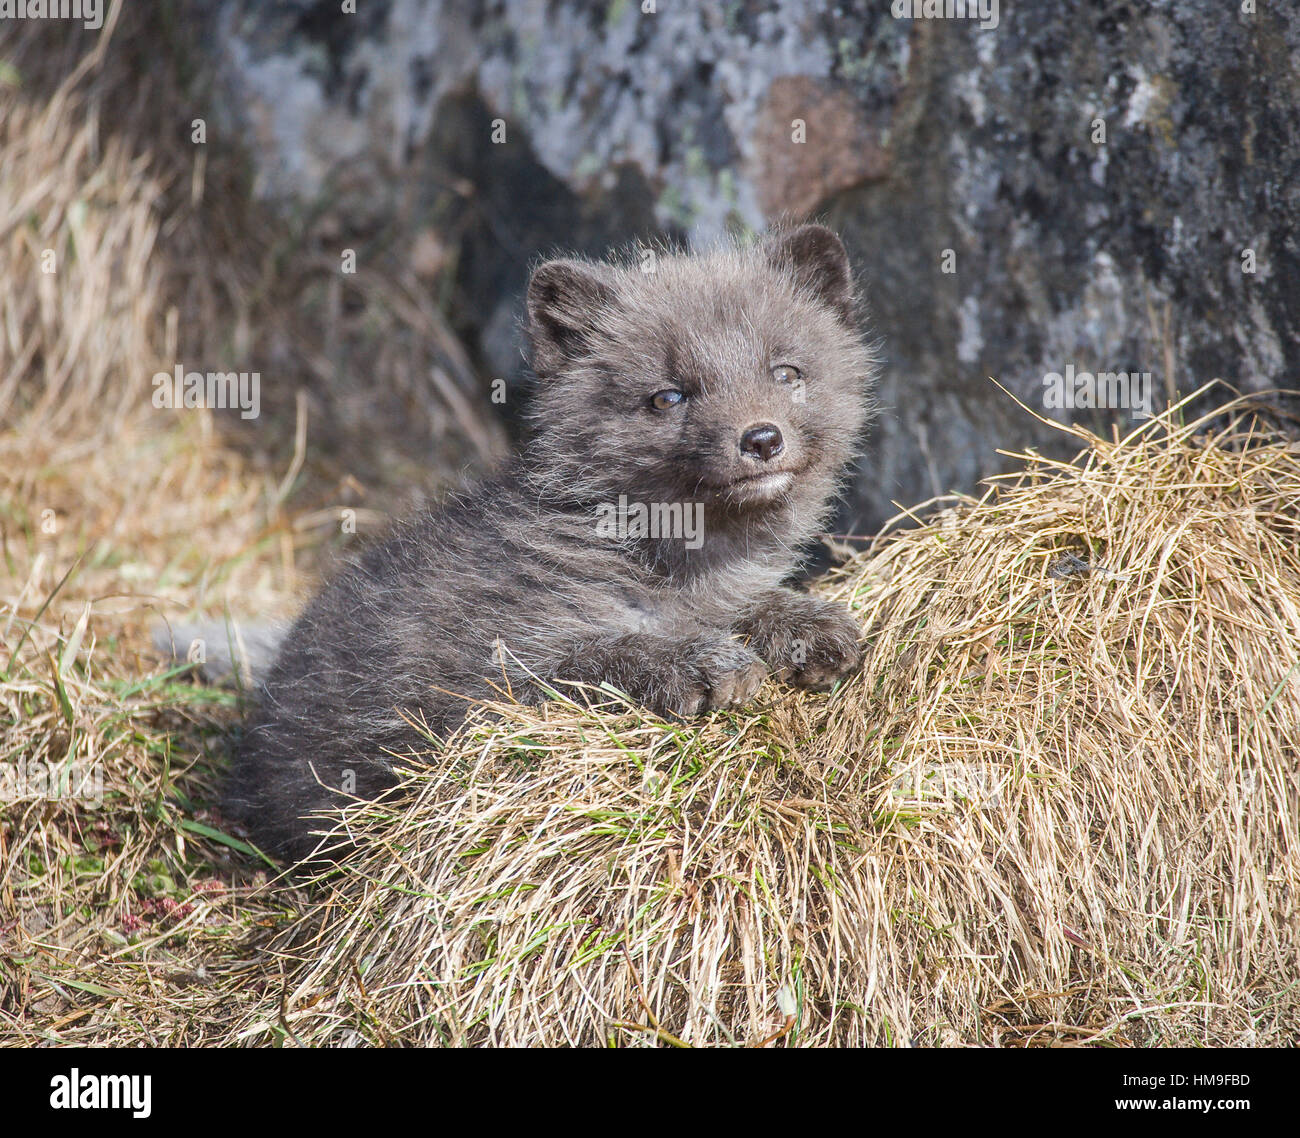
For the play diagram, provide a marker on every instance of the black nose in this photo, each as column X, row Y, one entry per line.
column 763, row 441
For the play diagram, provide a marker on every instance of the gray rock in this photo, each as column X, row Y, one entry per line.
column 922, row 137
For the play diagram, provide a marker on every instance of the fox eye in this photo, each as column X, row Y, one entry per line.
column 786, row 373
column 663, row 400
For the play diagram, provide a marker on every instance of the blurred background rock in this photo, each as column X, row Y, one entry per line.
column 929, row 144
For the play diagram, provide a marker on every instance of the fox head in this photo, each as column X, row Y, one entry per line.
column 736, row 378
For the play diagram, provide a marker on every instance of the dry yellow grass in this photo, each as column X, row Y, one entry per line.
column 1059, row 805
column 114, row 514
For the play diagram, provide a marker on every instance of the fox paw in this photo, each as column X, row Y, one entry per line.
column 718, row 675
column 810, row 644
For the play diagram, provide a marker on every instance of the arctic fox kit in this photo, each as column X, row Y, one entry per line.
column 688, row 430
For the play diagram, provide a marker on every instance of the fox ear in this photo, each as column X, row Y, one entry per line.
column 565, row 299
column 819, row 263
